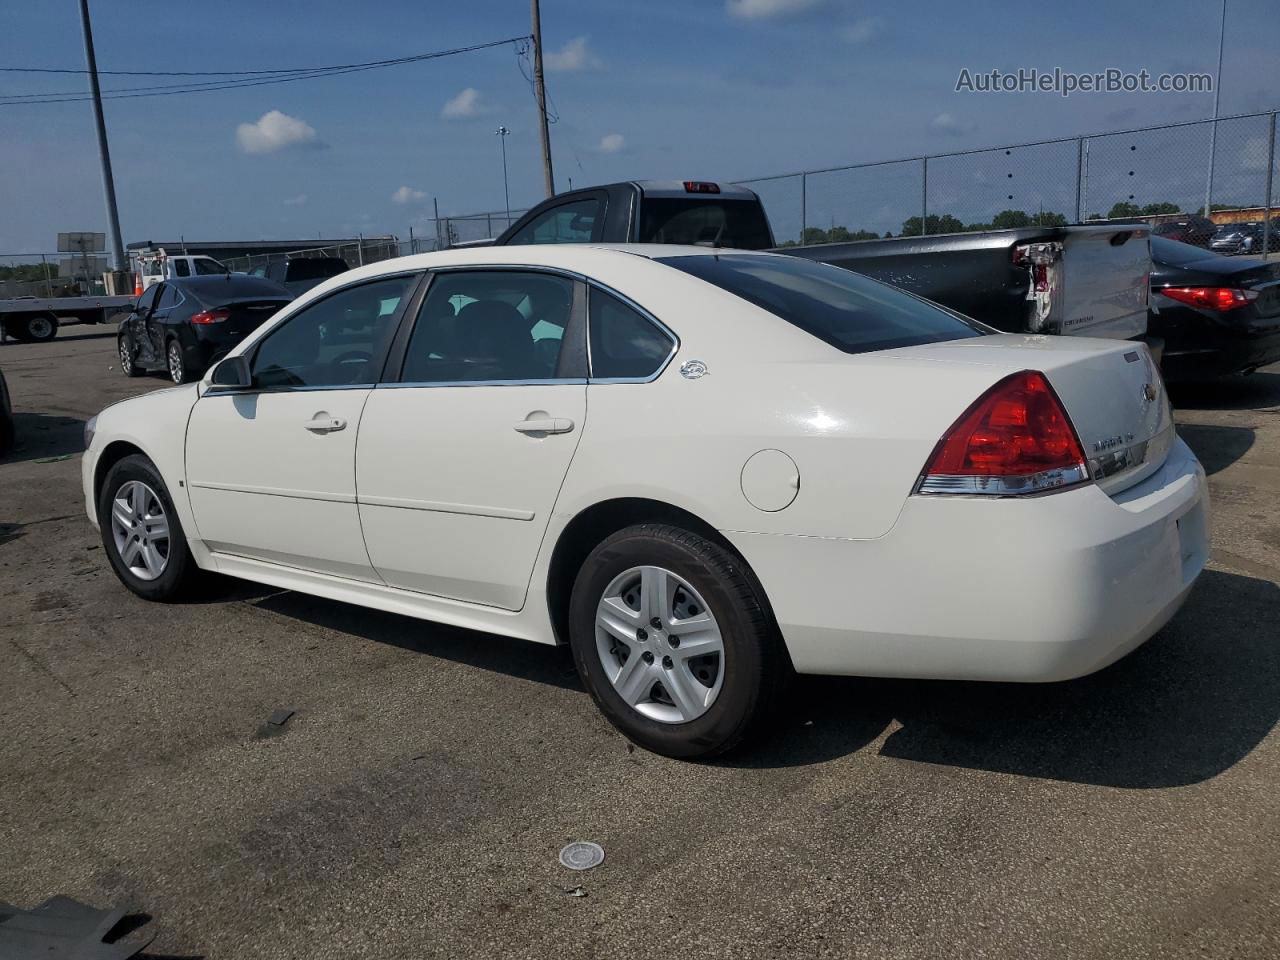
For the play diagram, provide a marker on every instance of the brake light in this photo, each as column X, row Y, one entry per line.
column 210, row 316
column 701, row 186
column 1221, row 299
column 1016, row 438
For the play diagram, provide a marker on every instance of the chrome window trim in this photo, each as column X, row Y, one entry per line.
column 424, row 384
column 670, row 334
column 219, row 390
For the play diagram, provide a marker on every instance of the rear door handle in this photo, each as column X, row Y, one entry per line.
column 548, row 425
column 322, row 423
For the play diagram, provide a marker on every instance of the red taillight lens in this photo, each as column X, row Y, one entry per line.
column 1015, row 438
column 700, row 186
column 210, row 316
column 1221, row 299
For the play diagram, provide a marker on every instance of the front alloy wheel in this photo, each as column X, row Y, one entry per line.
column 140, row 529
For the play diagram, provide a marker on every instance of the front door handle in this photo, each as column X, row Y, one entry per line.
column 545, row 426
column 323, row 423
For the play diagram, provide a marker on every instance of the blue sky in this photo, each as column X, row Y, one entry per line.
column 715, row 88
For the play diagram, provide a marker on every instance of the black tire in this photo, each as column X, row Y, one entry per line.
column 176, row 363
column 180, row 571
column 128, row 352
column 7, row 432
column 41, row 328
column 756, row 669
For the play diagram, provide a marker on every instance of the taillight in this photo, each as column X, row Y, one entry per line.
column 210, row 316
column 1016, row 438
column 1221, row 299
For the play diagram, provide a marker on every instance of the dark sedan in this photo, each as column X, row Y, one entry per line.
column 1194, row 230
column 1216, row 315
column 182, row 325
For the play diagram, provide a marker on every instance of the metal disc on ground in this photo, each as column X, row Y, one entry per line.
column 582, row 855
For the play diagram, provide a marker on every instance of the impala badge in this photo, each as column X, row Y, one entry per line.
column 693, row 369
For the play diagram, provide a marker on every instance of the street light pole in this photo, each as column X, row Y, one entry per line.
column 104, row 154
column 502, row 132
column 1217, row 96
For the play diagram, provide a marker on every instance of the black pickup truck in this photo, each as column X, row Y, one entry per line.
column 1077, row 280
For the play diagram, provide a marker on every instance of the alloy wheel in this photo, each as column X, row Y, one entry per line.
column 140, row 530
column 176, row 367
column 660, row 644
column 126, row 357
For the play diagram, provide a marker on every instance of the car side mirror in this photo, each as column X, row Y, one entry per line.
column 231, row 372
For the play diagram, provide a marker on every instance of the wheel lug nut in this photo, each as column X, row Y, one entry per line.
column 655, row 623
column 647, row 657
column 642, row 634
column 674, row 641
column 666, row 662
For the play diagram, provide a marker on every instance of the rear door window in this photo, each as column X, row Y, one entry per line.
column 851, row 312
column 181, row 268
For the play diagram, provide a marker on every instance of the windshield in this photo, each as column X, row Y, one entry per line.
column 207, row 266
column 721, row 223
column 849, row 311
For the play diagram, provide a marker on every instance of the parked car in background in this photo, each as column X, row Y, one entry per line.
column 1196, row 231
column 1217, row 315
column 300, row 274
column 156, row 266
column 181, row 326
column 1243, row 238
column 7, row 431
column 699, row 468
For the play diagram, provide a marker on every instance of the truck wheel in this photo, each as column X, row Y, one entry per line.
column 42, row 327
column 128, row 363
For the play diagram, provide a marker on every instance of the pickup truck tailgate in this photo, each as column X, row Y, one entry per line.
column 1104, row 282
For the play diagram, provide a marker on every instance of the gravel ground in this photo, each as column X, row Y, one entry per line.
column 415, row 803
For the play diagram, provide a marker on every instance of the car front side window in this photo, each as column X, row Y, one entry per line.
column 337, row 341
column 568, row 223
column 490, row 325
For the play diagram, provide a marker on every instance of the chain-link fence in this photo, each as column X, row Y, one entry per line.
column 468, row 228
column 355, row 253
column 1227, row 167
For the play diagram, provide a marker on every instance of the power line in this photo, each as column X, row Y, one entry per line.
column 248, row 77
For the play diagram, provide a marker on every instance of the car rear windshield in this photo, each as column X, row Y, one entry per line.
column 1171, row 251
column 316, row 269
column 849, row 311
column 209, row 267
column 720, row 223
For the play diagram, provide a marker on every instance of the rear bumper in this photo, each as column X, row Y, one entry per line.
column 1036, row 589
column 1202, row 347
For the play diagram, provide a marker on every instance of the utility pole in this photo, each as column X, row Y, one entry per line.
column 1217, row 95
column 108, row 182
column 540, row 94
column 506, row 193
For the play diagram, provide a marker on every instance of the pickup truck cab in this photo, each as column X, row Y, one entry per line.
column 157, row 266
column 1071, row 280
column 648, row 211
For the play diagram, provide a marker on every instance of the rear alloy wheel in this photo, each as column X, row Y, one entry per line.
column 177, row 365
column 141, row 532
column 674, row 640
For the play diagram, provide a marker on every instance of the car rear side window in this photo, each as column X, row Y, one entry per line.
column 851, row 312
column 209, row 267
column 567, row 223
column 490, row 325
column 180, row 268
column 625, row 344
column 721, row 223
column 337, row 341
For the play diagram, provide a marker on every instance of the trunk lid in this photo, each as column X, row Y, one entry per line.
column 1112, row 392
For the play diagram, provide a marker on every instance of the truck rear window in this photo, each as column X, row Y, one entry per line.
column 721, row 223
column 851, row 312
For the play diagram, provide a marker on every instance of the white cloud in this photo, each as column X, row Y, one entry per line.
column 611, row 143
column 860, row 31
column 275, row 131
column 408, row 195
column 297, row 201
column 951, row 126
column 765, row 9
column 468, row 103
column 574, row 56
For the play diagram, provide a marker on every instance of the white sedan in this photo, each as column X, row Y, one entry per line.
column 702, row 469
